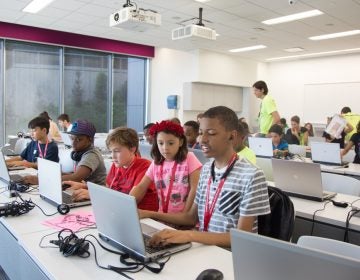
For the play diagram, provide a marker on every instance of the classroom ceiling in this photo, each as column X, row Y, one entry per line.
column 238, row 23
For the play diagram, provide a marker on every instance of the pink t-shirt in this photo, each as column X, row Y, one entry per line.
column 181, row 188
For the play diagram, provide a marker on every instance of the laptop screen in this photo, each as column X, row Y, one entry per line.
column 4, row 173
column 258, row 257
column 262, row 147
column 49, row 174
column 325, row 152
column 297, row 177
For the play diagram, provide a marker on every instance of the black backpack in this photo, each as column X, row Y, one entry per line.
column 279, row 223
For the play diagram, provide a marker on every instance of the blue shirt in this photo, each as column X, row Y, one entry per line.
column 283, row 145
column 31, row 152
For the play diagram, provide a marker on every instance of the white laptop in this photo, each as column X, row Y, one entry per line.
column 297, row 150
column 262, row 147
column 118, row 224
column 300, row 179
column 50, row 185
column 66, row 138
column 257, row 257
column 145, row 150
column 326, row 153
column 4, row 172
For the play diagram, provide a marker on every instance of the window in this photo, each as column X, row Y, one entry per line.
column 86, row 87
column 32, row 83
column 106, row 89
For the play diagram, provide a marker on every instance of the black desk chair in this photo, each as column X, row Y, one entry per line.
column 279, row 223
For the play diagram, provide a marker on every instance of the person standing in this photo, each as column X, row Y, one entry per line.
column 268, row 114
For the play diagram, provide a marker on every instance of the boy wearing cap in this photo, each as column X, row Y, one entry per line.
column 88, row 161
column 40, row 146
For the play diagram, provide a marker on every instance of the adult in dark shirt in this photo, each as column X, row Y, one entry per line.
column 297, row 134
column 354, row 141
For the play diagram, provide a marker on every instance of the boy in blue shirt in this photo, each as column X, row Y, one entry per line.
column 40, row 146
column 280, row 146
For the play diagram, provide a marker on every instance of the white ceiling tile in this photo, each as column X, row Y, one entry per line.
column 237, row 21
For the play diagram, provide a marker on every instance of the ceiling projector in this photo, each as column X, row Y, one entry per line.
column 197, row 30
column 193, row 30
column 134, row 19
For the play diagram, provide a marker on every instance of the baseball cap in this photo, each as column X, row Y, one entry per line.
column 83, row 127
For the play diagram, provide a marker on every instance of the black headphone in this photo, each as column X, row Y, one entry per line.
column 76, row 156
column 63, row 209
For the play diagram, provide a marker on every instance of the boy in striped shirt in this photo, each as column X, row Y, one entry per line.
column 231, row 192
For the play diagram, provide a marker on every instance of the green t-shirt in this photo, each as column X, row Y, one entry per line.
column 353, row 119
column 248, row 154
column 267, row 107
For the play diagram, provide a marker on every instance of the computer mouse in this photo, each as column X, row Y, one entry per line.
column 210, row 274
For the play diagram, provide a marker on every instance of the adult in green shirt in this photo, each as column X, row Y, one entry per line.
column 352, row 119
column 268, row 114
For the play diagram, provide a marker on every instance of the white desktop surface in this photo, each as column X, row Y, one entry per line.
column 332, row 214
column 184, row 265
column 28, row 231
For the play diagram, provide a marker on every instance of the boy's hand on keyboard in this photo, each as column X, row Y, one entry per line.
column 31, row 180
column 80, row 194
column 168, row 236
column 75, row 185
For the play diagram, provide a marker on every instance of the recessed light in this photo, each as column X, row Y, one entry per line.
column 251, row 48
column 293, row 17
column 202, row 1
column 294, row 49
column 314, row 54
column 335, row 35
column 36, row 5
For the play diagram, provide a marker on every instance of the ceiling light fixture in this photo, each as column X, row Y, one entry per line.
column 251, row 48
column 36, row 5
column 293, row 17
column 335, row 35
column 314, row 54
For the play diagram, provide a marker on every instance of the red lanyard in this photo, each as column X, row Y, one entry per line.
column 165, row 203
column 41, row 154
column 118, row 173
column 209, row 208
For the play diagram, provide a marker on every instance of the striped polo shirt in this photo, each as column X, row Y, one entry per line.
column 244, row 193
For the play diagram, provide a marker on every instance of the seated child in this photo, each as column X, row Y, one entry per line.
column 40, row 146
column 280, row 146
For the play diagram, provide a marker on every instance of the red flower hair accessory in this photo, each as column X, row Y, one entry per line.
column 167, row 127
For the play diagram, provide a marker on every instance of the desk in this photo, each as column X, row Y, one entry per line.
column 22, row 258
column 328, row 223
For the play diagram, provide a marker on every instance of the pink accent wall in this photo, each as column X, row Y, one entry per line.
column 41, row 35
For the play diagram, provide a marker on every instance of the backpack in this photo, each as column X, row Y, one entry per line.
column 279, row 223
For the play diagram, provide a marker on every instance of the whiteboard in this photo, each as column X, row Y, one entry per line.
column 326, row 99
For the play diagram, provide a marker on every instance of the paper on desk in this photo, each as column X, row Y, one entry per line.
column 74, row 221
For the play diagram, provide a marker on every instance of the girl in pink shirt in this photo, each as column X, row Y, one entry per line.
column 174, row 170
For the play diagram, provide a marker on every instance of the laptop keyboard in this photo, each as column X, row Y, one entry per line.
column 16, row 178
column 154, row 249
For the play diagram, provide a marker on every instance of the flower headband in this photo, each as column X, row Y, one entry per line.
column 166, row 126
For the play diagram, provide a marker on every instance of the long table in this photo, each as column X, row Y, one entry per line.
column 22, row 258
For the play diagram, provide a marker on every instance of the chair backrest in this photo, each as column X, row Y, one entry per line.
column 340, row 183
column 20, row 145
column 349, row 157
column 266, row 166
column 279, row 223
column 67, row 164
column 330, row 245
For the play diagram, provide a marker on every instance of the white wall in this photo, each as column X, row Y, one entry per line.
column 171, row 68
column 168, row 71
column 287, row 80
